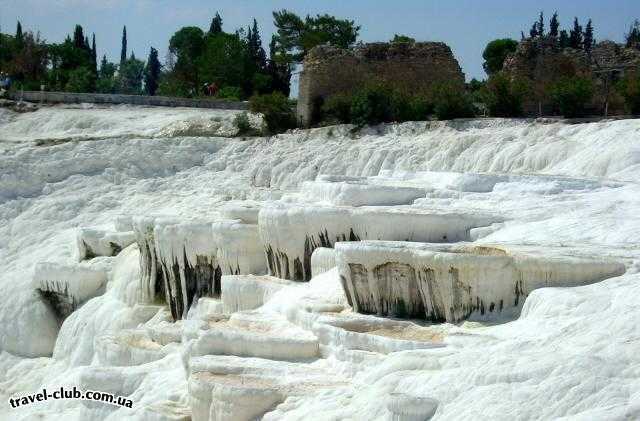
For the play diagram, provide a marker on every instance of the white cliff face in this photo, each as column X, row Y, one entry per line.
column 281, row 350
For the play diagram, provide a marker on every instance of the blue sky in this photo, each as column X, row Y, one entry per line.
column 463, row 24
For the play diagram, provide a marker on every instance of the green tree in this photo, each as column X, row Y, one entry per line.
column 216, row 25
column 632, row 38
column 504, row 96
column 81, row 79
column 130, row 76
column 572, row 94
column 152, row 72
column 78, row 38
column 296, row 36
column 94, row 55
column 187, row 45
column 278, row 68
column 554, row 25
column 451, row 101
column 123, row 48
column 564, row 39
column 254, row 43
column 106, row 82
column 495, row 53
column 588, row 40
column 629, row 89
column 541, row 25
column 226, row 61
column 575, row 35
column 402, row 39
column 19, row 38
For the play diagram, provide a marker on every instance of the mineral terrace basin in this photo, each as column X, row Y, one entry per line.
column 441, row 282
column 374, row 334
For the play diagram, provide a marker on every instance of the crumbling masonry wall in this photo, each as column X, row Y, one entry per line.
column 412, row 67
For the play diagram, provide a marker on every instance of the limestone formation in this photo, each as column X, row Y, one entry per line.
column 441, row 282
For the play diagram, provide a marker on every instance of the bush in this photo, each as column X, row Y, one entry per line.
column 571, row 95
column 371, row 105
column 242, row 123
column 232, row 93
column 337, row 108
column 451, row 101
column 629, row 89
column 504, row 96
column 276, row 109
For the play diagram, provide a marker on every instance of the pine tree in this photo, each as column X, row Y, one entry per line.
column 554, row 25
column 541, row 25
column 123, row 50
column 216, row 25
column 564, row 39
column 19, row 36
column 575, row 35
column 588, row 37
column 533, row 32
column 152, row 72
column 522, row 37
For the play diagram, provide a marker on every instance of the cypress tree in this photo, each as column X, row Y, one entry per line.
column 103, row 65
column 216, row 25
column 564, row 39
column 533, row 32
column 94, row 55
column 575, row 35
column 152, row 72
column 123, row 50
column 78, row 37
column 541, row 25
column 588, row 37
column 19, row 36
column 554, row 25
column 632, row 38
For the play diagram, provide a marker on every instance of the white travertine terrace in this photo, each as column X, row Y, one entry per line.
column 248, row 292
column 67, row 287
column 451, row 282
column 291, row 232
column 94, row 242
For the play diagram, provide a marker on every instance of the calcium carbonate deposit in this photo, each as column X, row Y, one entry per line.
column 480, row 269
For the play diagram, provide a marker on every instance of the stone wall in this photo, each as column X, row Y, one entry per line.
column 163, row 101
column 542, row 61
column 412, row 67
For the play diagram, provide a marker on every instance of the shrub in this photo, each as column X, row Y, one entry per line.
column 242, row 123
column 337, row 108
column 371, row 105
column 232, row 93
column 504, row 96
column 629, row 89
column 571, row 95
column 451, row 101
column 276, row 109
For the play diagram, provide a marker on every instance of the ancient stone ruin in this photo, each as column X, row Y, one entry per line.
column 413, row 67
column 542, row 61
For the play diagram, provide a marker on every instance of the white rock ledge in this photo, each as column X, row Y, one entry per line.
column 228, row 388
column 248, row 292
column 68, row 287
column 449, row 283
column 291, row 232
